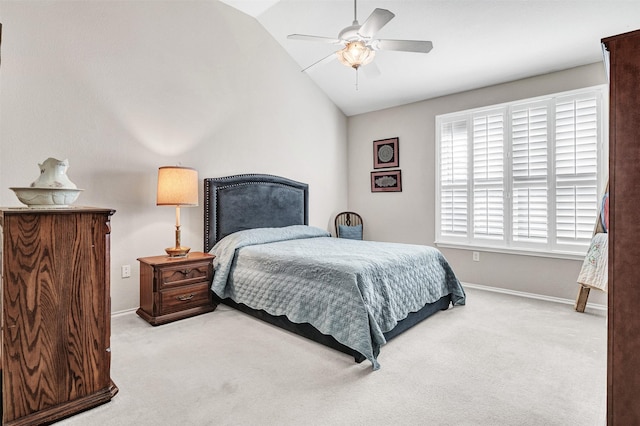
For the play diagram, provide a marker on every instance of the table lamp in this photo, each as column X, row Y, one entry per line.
column 177, row 186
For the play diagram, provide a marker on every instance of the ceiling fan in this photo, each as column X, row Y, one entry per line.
column 360, row 44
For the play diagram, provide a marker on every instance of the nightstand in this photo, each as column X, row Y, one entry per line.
column 173, row 288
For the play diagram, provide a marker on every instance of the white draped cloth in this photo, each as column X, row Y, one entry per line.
column 595, row 268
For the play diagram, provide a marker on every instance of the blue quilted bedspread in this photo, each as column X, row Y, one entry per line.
column 352, row 290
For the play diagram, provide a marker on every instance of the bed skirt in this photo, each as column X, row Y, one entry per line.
column 310, row 332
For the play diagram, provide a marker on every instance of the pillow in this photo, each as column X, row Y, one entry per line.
column 350, row 232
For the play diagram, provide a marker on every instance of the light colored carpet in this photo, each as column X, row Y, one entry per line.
column 500, row 360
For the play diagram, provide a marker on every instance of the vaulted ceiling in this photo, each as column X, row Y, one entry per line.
column 477, row 43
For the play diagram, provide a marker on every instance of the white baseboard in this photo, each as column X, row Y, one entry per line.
column 596, row 306
column 125, row 312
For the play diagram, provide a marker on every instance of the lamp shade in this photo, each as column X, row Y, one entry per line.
column 177, row 186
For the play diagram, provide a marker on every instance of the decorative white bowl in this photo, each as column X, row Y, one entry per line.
column 47, row 198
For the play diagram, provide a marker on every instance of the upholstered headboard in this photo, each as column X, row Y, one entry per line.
column 239, row 202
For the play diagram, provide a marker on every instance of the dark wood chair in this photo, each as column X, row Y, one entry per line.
column 349, row 225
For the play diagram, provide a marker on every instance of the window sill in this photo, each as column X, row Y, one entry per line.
column 518, row 252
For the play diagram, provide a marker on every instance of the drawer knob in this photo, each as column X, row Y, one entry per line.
column 184, row 298
column 186, row 271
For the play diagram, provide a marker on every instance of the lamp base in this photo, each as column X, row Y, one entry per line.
column 177, row 251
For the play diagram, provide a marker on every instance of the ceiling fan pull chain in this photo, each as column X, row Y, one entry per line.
column 357, row 79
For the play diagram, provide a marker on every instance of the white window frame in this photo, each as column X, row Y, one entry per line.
column 507, row 245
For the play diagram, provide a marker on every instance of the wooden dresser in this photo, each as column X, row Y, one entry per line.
column 624, row 231
column 55, row 313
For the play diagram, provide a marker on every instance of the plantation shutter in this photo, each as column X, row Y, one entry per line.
column 576, row 167
column 529, row 152
column 488, row 176
column 521, row 176
column 453, row 179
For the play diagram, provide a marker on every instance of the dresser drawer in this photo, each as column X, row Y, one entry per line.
column 179, row 299
column 181, row 275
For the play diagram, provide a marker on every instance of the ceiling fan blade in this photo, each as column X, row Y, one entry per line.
column 305, row 37
column 328, row 58
column 403, row 45
column 375, row 21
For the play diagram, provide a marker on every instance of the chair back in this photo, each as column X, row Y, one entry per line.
column 349, row 225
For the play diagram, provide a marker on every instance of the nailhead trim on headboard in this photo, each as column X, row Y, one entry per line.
column 282, row 217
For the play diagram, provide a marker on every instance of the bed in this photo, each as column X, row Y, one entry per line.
column 353, row 296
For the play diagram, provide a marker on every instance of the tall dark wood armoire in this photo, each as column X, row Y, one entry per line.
column 55, row 313
column 623, row 371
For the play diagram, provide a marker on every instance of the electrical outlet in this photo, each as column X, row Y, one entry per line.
column 126, row 271
column 476, row 256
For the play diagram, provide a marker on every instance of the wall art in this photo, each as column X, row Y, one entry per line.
column 385, row 153
column 387, row 181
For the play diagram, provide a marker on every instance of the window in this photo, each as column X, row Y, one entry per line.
column 521, row 176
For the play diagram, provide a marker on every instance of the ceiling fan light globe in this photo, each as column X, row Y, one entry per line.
column 355, row 54
column 369, row 57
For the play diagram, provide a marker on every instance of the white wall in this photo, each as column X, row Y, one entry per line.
column 121, row 88
column 409, row 216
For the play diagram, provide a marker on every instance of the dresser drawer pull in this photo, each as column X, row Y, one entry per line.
column 185, row 297
column 187, row 271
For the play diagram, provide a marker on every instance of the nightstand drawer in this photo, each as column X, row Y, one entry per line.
column 181, row 275
column 179, row 299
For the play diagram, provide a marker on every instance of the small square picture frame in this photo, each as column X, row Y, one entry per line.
column 386, row 181
column 386, row 153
